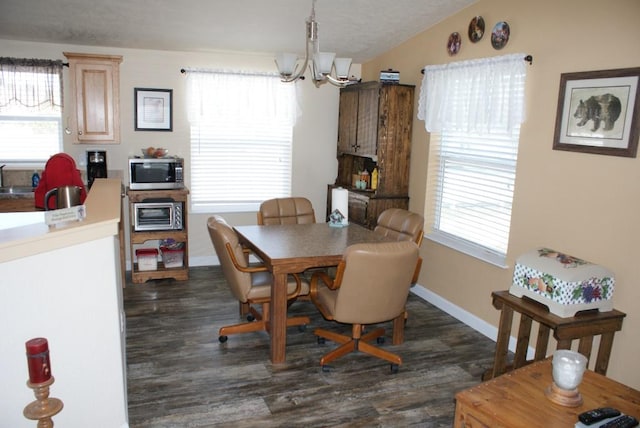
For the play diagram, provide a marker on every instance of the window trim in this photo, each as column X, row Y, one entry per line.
column 32, row 92
column 447, row 105
column 470, row 249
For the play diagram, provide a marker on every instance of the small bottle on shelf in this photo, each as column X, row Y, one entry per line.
column 35, row 179
column 366, row 178
column 374, row 179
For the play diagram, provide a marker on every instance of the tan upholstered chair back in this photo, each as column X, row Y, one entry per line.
column 295, row 210
column 401, row 225
column 222, row 234
column 376, row 282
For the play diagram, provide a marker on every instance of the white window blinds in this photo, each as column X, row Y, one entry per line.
column 30, row 109
column 473, row 110
column 241, row 139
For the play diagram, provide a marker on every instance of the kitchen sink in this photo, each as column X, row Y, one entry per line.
column 16, row 190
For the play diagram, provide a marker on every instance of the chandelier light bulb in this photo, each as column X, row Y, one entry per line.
column 321, row 64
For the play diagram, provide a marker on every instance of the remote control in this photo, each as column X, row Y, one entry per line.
column 596, row 415
column 624, row 421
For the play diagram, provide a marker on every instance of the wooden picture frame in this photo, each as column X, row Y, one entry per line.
column 153, row 109
column 598, row 112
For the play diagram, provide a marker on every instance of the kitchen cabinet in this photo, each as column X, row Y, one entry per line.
column 95, row 98
column 358, row 119
column 374, row 131
column 366, row 207
column 18, row 204
column 138, row 238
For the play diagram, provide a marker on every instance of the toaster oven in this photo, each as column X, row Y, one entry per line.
column 157, row 216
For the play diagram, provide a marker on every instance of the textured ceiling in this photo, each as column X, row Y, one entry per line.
column 360, row 29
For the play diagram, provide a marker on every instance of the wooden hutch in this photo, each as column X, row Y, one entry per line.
column 374, row 131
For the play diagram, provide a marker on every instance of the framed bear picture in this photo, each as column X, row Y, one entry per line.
column 598, row 112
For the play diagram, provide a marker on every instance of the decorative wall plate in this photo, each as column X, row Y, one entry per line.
column 453, row 44
column 500, row 35
column 476, row 29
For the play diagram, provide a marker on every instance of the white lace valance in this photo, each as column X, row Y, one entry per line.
column 474, row 96
column 256, row 97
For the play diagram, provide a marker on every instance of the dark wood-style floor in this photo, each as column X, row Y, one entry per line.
column 179, row 375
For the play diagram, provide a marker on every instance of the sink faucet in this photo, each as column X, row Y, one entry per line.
column 2, row 175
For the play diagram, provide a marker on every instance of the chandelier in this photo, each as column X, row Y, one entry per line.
column 320, row 63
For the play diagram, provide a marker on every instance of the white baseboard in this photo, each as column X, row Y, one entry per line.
column 204, row 261
column 465, row 317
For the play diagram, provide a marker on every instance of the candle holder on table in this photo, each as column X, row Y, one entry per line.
column 568, row 369
column 44, row 408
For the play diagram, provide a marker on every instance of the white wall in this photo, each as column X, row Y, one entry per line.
column 314, row 140
column 78, row 310
column 583, row 204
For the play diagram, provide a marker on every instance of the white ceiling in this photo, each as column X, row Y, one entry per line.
column 360, row 29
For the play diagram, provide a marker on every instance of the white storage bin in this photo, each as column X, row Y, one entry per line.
column 172, row 257
column 147, row 259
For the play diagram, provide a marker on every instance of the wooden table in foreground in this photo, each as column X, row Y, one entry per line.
column 516, row 399
column 583, row 327
column 287, row 249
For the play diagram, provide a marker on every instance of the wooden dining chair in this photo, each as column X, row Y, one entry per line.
column 293, row 210
column 249, row 284
column 371, row 286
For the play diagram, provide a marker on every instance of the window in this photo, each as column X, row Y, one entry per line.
column 241, row 139
column 30, row 110
column 473, row 110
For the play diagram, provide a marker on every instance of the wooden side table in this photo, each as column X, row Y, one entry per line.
column 516, row 399
column 584, row 326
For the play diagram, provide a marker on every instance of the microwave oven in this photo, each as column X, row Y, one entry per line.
column 149, row 216
column 156, row 173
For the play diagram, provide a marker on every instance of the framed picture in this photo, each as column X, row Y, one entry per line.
column 598, row 112
column 153, row 109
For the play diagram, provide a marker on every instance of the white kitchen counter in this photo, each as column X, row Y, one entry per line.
column 19, row 219
column 32, row 236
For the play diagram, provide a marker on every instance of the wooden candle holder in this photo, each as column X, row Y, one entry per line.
column 563, row 397
column 44, row 407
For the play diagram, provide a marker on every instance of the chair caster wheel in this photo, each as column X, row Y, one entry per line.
column 302, row 327
column 321, row 341
column 394, row 368
column 326, row 369
column 222, row 339
column 380, row 340
column 251, row 318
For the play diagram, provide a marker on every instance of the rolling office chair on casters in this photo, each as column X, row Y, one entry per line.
column 401, row 225
column 294, row 210
column 249, row 284
column 370, row 287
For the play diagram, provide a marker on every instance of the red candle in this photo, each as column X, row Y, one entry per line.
column 38, row 360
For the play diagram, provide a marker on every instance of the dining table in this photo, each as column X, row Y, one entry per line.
column 294, row 248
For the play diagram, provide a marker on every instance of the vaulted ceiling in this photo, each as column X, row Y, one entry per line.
column 360, row 29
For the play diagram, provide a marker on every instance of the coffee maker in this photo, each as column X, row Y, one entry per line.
column 96, row 165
